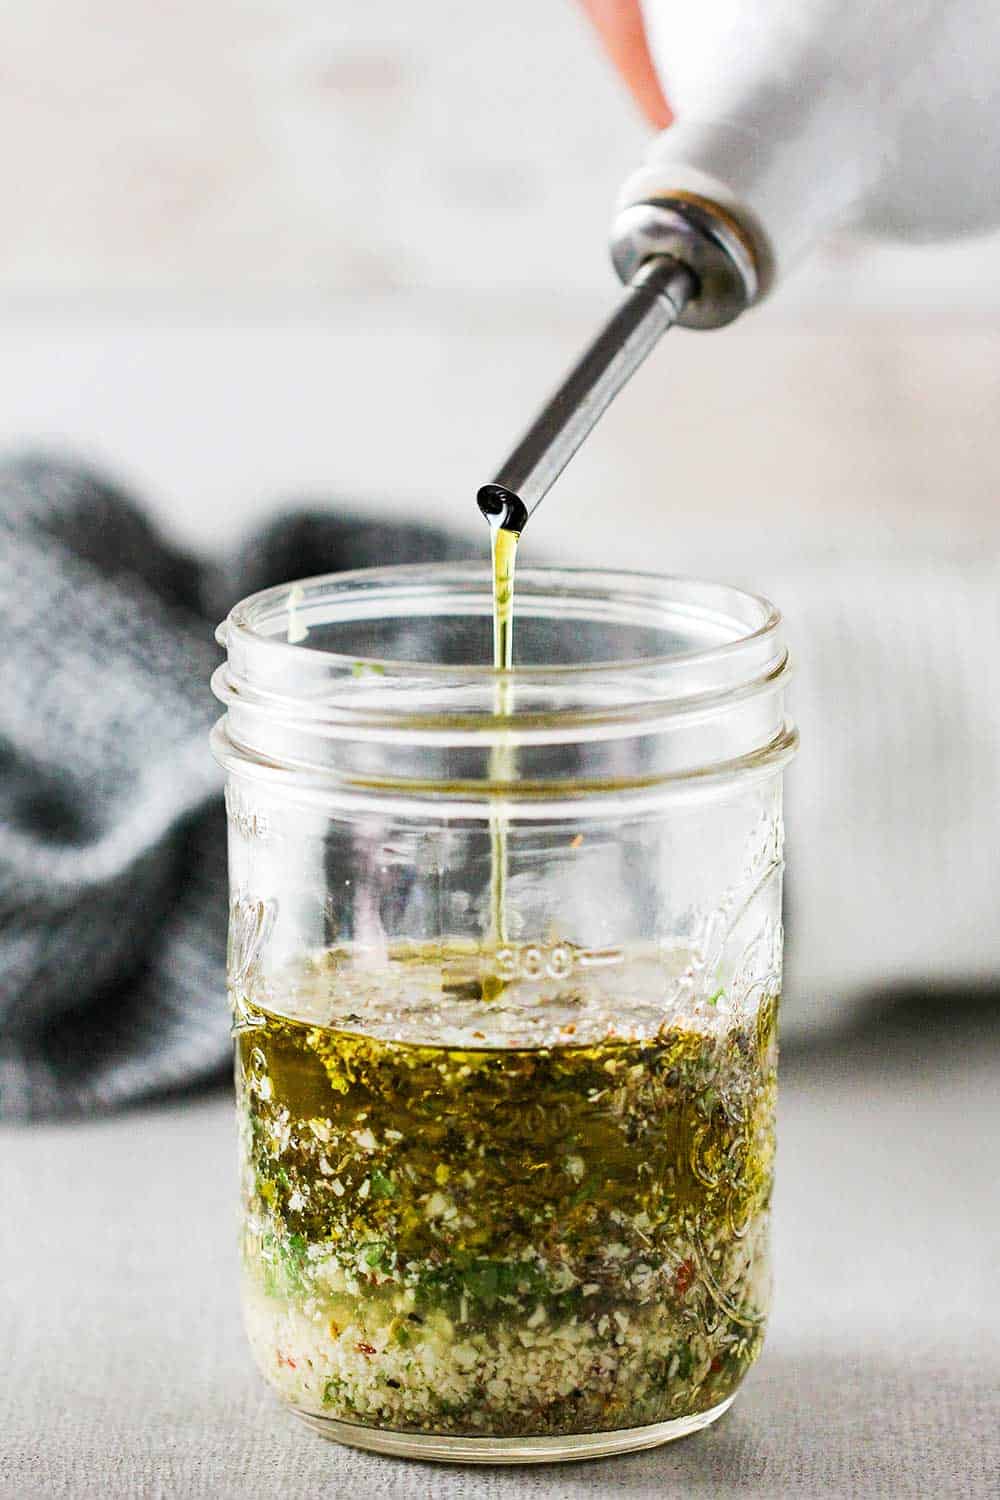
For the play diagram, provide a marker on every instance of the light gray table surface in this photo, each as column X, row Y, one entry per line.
column 125, row 1371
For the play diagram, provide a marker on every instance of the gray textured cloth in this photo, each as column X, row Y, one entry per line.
column 112, row 842
column 127, row 1376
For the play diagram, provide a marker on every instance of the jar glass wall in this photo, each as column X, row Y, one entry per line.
column 505, row 971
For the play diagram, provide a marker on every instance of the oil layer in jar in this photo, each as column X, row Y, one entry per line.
column 553, row 1220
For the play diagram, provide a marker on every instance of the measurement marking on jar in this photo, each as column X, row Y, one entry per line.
column 249, row 823
column 558, row 962
column 593, row 958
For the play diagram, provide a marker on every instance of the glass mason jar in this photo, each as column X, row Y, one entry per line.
column 505, row 961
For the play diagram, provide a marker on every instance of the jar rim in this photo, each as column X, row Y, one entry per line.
column 435, row 727
column 242, row 622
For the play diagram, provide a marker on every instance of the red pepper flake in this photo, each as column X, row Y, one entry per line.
column 285, row 1359
column 717, row 1363
column 684, row 1276
column 364, row 1348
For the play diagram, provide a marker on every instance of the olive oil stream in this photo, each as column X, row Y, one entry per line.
column 503, row 545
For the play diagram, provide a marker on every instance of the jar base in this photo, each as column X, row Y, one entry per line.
column 516, row 1450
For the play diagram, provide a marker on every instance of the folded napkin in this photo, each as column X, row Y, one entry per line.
column 112, row 832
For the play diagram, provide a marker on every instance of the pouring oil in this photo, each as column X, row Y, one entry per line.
column 503, row 545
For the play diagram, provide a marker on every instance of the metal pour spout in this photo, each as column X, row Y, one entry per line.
column 683, row 263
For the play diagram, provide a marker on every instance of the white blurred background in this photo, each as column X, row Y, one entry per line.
column 257, row 253
column 261, row 253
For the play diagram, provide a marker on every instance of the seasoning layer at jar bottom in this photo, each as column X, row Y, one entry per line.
column 545, row 1235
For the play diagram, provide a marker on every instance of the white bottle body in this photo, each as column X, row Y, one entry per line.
column 801, row 116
